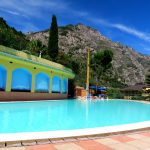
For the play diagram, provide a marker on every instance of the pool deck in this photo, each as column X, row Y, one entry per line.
column 130, row 141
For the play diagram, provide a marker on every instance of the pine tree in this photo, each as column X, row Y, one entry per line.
column 53, row 39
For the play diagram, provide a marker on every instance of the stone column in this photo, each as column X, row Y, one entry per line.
column 62, row 84
column 33, row 83
column 50, row 84
column 8, row 80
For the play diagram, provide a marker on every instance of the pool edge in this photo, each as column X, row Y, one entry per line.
column 101, row 131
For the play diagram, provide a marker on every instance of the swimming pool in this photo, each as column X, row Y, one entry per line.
column 40, row 116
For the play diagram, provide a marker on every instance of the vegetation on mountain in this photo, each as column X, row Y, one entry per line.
column 10, row 37
column 68, row 61
column 102, row 70
column 147, row 78
column 36, row 47
column 53, row 39
column 101, row 62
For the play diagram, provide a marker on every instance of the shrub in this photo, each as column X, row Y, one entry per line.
column 114, row 93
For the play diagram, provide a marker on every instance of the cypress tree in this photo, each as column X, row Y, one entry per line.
column 53, row 39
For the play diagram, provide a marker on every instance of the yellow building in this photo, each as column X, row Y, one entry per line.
column 20, row 72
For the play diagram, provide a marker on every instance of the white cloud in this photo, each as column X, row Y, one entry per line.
column 132, row 31
column 37, row 9
column 12, row 12
column 98, row 21
column 32, row 8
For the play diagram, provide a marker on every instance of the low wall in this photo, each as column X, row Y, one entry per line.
column 25, row 96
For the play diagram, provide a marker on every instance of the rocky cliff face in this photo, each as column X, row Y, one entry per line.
column 128, row 65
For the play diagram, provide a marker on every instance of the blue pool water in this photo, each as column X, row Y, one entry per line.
column 69, row 114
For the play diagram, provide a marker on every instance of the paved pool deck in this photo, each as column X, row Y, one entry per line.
column 130, row 141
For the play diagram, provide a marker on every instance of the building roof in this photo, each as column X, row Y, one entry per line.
column 9, row 52
column 137, row 87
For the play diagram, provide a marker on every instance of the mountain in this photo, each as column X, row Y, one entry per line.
column 129, row 66
column 10, row 37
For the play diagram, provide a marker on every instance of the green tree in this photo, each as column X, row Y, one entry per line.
column 10, row 37
column 68, row 61
column 36, row 47
column 106, row 59
column 53, row 39
column 100, row 63
column 147, row 78
column 114, row 93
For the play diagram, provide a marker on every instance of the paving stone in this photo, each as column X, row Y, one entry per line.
column 70, row 139
column 43, row 141
column 107, row 141
column 93, row 137
column 41, row 147
column 139, row 144
column 13, row 144
column 99, row 147
column 82, row 138
column 146, row 134
column 59, row 140
column 68, row 146
column 123, row 138
column 92, row 145
column 28, row 142
column 136, row 136
column 14, row 148
column 146, row 139
column 122, row 146
column 2, row 144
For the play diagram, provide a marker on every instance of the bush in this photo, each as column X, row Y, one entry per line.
column 138, row 97
column 114, row 93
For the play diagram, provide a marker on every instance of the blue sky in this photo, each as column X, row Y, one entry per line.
column 125, row 21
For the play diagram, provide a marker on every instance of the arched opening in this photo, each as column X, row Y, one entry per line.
column 56, row 84
column 65, row 85
column 21, row 80
column 3, row 74
column 42, row 82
